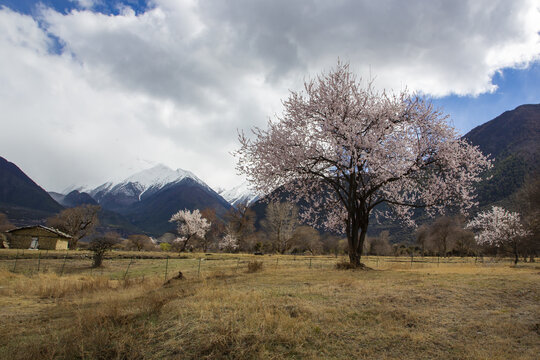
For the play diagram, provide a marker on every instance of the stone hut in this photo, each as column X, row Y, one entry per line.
column 38, row 237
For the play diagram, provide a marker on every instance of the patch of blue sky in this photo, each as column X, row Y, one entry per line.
column 108, row 7
column 515, row 87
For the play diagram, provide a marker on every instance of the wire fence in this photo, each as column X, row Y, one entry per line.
column 128, row 265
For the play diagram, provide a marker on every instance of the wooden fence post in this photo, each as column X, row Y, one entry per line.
column 128, row 268
column 16, row 258
column 64, row 264
column 166, row 267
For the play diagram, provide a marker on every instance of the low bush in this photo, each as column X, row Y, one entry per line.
column 254, row 266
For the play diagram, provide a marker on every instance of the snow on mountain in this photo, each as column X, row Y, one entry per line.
column 240, row 194
column 159, row 176
column 154, row 178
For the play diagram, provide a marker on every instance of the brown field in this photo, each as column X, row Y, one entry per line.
column 295, row 307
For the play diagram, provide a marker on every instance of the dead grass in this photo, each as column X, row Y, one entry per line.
column 254, row 266
column 449, row 311
column 54, row 286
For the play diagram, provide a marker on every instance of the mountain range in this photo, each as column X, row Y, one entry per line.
column 148, row 198
column 145, row 201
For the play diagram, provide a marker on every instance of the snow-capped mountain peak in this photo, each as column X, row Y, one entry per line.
column 147, row 181
column 159, row 176
column 239, row 194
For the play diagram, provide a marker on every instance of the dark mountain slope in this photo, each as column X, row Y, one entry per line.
column 21, row 198
column 514, row 132
column 76, row 198
column 153, row 212
column 513, row 141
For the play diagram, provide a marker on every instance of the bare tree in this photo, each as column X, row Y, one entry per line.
column 5, row 224
column 527, row 202
column 441, row 236
column 465, row 244
column 280, row 223
column 216, row 231
column 77, row 222
column 331, row 244
column 445, row 235
column 346, row 149
column 241, row 223
column 422, row 234
column 381, row 244
column 306, row 238
column 140, row 242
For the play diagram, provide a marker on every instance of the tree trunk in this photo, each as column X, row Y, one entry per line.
column 354, row 258
column 72, row 244
column 352, row 237
column 360, row 249
column 444, row 246
column 184, row 245
column 98, row 259
column 516, row 256
column 356, row 235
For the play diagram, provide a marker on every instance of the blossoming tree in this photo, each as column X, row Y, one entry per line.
column 190, row 224
column 228, row 243
column 499, row 227
column 347, row 149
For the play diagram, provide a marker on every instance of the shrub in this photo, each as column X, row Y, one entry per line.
column 165, row 246
column 254, row 266
column 99, row 246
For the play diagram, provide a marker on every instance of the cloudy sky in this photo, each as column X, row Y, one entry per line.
column 92, row 90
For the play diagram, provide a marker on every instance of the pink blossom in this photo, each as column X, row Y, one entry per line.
column 346, row 149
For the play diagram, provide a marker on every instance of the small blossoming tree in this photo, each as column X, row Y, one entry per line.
column 228, row 243
column 190, row 224
column 348, row 149
column 499, row 227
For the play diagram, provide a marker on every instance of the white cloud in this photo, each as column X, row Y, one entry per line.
column 174, row 83
column 86, row 4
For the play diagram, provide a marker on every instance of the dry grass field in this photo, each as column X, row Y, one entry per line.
column 293, row 308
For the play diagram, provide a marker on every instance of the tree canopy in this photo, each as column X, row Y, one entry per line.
column 346, row 148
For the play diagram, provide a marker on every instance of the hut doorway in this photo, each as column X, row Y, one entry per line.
column 34, row 243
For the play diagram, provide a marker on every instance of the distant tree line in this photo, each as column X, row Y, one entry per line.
column 493, row 232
